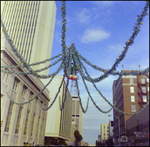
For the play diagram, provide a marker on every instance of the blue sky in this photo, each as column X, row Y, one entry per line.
column 99, row 30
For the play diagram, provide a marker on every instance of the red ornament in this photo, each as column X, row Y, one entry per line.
column 72, row 77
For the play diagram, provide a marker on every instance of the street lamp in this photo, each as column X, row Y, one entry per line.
column 118, row 126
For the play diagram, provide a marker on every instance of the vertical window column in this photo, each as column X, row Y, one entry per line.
column 18, row 120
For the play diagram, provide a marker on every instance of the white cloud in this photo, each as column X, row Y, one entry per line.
column 83, row 16
column 94, row 35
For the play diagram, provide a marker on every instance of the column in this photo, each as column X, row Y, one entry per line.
column 6, row 102
column 40, row 127
column 23, row 119
column 28, row 134
column 36, row 122
column 15, row 115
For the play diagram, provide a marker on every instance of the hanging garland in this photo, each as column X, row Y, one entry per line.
column 69, row 54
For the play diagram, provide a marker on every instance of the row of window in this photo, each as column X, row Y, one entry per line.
column 144, row 98
column 7, row 125
column 143, row 81
column 143, row 89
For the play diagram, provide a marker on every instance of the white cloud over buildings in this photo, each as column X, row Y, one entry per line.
column 94, row 35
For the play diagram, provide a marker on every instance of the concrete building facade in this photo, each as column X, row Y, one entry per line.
column 104, row 132
column 138, row 128
column 131, row 93
column 21, row 123
column 30, row 25
column 77, row 114
column 58, row 125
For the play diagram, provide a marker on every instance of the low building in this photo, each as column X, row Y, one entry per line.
column 138, row 127
column 21, row 123
column 104, row 132
column 58, row 125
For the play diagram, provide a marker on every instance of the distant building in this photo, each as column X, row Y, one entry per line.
column 138, row 128
column 29, row 25
column 104, row 132
column 58, row 124
column 110, row 129
column 99, row 138
column 77, row 116
column 131, row 93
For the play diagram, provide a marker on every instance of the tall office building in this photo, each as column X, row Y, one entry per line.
column 131, row 93
column 104, row 132
column 29, row 25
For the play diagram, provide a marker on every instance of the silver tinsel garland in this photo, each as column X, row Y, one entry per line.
column 66, row 57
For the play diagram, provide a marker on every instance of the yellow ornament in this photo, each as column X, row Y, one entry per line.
column 20, row 62
column 45, row 61
column 6, row 30
column 141, row 23
column 119, row 56
column 65, row 28
column 66, row 46
column 40, row 76
column 95, row 65
column 32, row 71
column 61, row 8
column 102, row 70
column 3, row 68
column 128, row 41
column 103, row 77
column 12, row 73
column 15, row 67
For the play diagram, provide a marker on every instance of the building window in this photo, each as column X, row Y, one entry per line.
column 144, row 89
column 32, row 124
column 131, row 89
column 5, row 76
column 142, row 81
column 16, row 82
column 18, row 120
column 132, row 98
column 133, row 108
column 24, row 91
column 26, row 123
column 8, row 117
column 144, row 98
column 131, row 81
column 147, row 80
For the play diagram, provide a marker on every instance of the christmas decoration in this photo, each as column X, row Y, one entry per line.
column 71, row 54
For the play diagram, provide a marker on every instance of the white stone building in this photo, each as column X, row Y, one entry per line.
column 58, row 125
column 29, row 25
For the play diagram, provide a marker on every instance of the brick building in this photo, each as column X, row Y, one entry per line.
column 131, row 93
